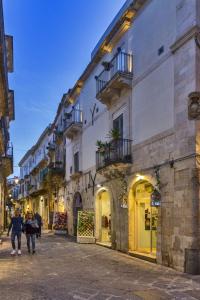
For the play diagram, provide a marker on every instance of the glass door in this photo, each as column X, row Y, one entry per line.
column 118, row 124
column 146, row 222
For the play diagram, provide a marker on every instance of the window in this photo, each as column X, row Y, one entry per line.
column 161, row 50
column 76, row 162
column 118, row 124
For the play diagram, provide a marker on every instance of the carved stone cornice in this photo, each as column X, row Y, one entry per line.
column 190, row 34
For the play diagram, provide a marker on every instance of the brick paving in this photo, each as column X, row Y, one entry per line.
column 62, row 269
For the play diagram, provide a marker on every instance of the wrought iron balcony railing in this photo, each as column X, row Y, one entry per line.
column 121, row 64
column 6, row 161
column 115, row 152
column 74, row 117
column 56, row 169
column 73, row 122
column 4, row 135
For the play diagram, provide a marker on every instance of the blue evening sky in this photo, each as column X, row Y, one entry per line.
column 53, row 40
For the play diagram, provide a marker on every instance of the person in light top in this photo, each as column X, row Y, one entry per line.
column 16, row 228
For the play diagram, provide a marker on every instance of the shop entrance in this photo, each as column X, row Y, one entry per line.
column 103, row 218
column 77, row 205
column 142, row 220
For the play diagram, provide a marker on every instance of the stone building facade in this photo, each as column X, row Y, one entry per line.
column 42, row 173
column 6, row 114
column 130, row 133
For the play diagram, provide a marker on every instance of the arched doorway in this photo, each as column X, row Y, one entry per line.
column 77, row 206
column 142, row 220
column 103, row 217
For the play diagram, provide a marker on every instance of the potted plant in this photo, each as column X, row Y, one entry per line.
column 114, row 134
column 101, row 147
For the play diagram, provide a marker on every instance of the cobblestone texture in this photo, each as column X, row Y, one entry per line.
column 62, row 269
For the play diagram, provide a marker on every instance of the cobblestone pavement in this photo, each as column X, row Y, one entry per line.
column 62, row 269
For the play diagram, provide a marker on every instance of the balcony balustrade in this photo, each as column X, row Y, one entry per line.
column 73, row 123
column 116, row 153
column 4, row 136
column 116, row 76
column 32, row 189
column 7, row 161
column 9, row 52
column 56, row 169
column 11, row 105
column 58, row 136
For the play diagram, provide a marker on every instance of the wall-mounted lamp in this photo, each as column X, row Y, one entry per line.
column 99, row 185
column 16, row 180
column 139, row 176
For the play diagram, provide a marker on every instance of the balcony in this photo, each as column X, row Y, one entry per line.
column 9, row 52
column 56, row 170
column 114, row 155
column 39, row 165
column 73, row 123
column 51, row 149
column 116, row 76
column 58, row 136
column 36, row 189
column 4, row 135
column 7, row 161
column 1, row 137
column 11, row 107
column 32, row 190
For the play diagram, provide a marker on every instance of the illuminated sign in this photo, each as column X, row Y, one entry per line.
column 155, row 198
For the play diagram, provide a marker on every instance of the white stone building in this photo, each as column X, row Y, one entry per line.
column 138, row 80
column 142, row 180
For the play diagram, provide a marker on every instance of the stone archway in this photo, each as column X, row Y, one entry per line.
column 77, row 206
column 142, row 219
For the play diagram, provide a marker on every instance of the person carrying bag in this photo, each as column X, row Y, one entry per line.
column 30, row 229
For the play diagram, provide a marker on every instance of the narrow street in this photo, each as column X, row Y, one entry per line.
column 63, row 269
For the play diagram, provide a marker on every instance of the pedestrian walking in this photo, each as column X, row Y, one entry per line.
column 30, row 228
column 40, row 224
column 16, row 225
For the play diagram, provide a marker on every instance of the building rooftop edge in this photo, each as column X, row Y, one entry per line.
column 33, row 148
column 121, row 12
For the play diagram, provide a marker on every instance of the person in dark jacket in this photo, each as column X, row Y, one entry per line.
column 30, row 228
column 16, row 225
column 39, row 221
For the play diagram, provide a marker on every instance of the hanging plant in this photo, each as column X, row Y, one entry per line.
column 157, row 174
column 123, row 196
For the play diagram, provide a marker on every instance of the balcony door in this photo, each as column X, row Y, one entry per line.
column 76, row 162
column 117, row 145
column 118, row 124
